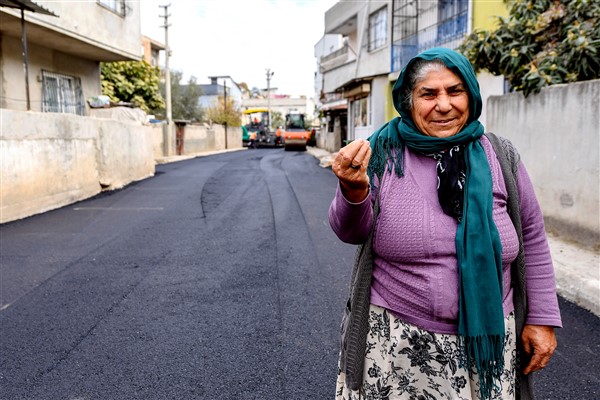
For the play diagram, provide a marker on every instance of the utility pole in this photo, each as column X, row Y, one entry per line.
column 167, row 71
column 225, row 108
column 269, row 75
column 25, row 57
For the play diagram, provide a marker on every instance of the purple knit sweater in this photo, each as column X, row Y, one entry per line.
column 415, row 275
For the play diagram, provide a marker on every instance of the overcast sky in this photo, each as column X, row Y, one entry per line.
column 242, row 38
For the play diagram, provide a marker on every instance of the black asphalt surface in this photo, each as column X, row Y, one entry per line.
column 218, row 278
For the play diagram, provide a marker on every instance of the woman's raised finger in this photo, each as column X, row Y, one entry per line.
column 352, row 155
column 361, row 159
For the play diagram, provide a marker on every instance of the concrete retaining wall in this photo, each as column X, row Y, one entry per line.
column 157, row 135
column 124, row 152
column 51, row 160
column 197, row 139
column 217, row 133
column 557, row 133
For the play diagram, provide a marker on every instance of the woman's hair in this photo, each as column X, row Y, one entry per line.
column 415, row 73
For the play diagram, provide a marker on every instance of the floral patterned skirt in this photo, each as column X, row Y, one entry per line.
column 403, row 361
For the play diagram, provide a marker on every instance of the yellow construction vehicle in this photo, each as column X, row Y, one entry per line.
column 256, row 120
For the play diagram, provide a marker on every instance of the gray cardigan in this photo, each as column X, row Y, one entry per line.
column 355, row 324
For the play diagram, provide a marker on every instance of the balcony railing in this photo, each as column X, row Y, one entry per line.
column 334, row 59
column 447, row 33
column 339, row 52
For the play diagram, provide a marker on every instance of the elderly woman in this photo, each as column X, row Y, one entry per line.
column 428, row 188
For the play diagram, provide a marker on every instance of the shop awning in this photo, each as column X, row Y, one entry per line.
column 335, row 105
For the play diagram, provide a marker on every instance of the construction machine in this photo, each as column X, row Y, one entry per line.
column 256, row 121
column 295, row 134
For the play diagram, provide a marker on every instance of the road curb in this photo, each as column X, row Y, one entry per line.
column 171, row 159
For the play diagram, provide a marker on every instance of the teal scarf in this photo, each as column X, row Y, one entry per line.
column 478, row 246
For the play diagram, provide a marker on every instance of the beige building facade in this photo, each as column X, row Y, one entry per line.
column 64, row 51
column 51, row 152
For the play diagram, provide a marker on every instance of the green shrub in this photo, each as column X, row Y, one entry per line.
column 132, row 82
column 540, row 43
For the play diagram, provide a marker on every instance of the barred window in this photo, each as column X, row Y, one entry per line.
column 117, row 6
column 452, row 19
column 62, row 94
column 406, row 12
column 378, row 29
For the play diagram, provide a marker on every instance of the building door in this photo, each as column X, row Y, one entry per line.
column 360, row 109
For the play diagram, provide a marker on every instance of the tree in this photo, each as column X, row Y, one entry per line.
column 244, row 88
column 229, row 113
column 132, row 82
column 541, row 43
column 277, row 119
column 185, row 99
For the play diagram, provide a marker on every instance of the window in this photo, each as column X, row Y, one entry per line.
column 406, row 43
column 406, row 13
column 61, row 94
column 378, row 29
column 117, row 6
column 361, row 112
column 452, row 17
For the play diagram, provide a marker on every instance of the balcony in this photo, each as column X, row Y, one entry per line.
column 335, row 59
column 342, row 18
column 85, row 29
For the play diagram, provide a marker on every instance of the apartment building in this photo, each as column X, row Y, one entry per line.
column 64, row 45
column 357, row 72
column 330, row 107
column 377, row 40
column 220, row 87
column 151, row 51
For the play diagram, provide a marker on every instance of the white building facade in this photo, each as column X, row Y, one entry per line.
column 378, row 38
column 358, row 71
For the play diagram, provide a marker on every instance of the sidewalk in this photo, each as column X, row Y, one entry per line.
column 577, row 269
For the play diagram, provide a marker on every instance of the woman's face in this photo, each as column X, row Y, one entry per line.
column 440, row 104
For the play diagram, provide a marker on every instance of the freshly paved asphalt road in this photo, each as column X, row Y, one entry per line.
column 219, row 278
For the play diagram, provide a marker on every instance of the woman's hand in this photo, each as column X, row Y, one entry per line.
column 350, row 166
column 539, row 343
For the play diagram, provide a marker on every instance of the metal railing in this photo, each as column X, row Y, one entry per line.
column 448, row 32
column 339, row 52
column 62, row 94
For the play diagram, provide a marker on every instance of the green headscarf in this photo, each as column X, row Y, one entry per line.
column 478, row 246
